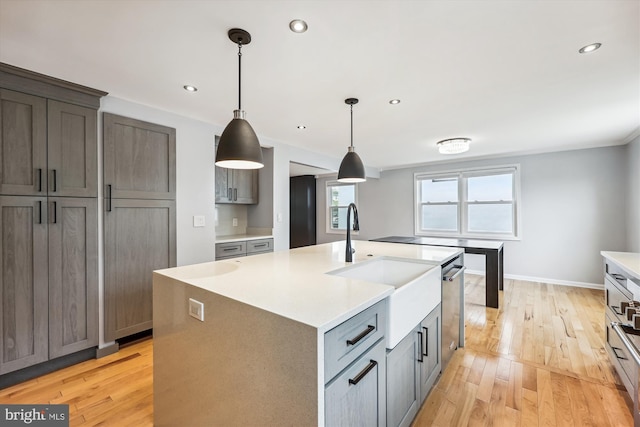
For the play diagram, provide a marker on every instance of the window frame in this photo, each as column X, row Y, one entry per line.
column 462, row 231
column 328, row 185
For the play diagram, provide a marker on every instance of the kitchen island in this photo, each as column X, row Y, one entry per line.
column 257, row 357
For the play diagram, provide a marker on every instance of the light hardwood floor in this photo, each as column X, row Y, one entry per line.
column 537, row 361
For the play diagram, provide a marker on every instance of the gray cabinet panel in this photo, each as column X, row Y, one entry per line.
column 363, row 403
column 23, row 142
column 430, row 368
column 140, row 236
column 236, row 185
column 403, row 381
column 73, row 275
column 72, row 150
column 139, row 159
column 23, row 282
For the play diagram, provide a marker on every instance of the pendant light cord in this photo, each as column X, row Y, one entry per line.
column 351, row 125
column 239, row 76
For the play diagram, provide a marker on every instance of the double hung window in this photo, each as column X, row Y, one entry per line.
column 479, row 203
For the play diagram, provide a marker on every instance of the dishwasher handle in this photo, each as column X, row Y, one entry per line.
column 631, row 348
column 451, row 275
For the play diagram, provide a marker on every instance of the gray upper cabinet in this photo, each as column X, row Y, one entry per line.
column 73, row 274
column 140, row 236
column 139, row 159
column 23, row 144
column 24, row 290
column 72, row 150
column 236, row 185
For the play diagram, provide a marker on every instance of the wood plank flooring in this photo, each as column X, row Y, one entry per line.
column 539, row 360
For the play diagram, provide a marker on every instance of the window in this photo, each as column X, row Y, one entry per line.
column 338, row 198
column 470, row 203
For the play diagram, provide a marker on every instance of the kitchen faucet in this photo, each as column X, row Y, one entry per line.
column 356, row 226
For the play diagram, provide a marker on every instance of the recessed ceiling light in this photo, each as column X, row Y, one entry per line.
column 453, row 145
column 298, row 26
column 394, row 101
column 190, row 88
column 302, row 127
column 590, row 48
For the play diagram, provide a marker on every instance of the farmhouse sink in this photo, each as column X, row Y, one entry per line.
column 417, row 286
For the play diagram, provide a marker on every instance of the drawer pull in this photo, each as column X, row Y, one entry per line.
column 231, row 249
column 615, row 351
column 361, row 335
column 616, row 310
column 631, row 348
column 372, row 364
column 262, row 245
column 420, row 358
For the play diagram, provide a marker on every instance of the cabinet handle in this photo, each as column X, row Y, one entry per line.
column 229, row 194
column 261, row 245
column 39, row 212
column 420, row 359
column 109, row 198
column 615, row 351
column 55, row 181
column 237, row 248
column 616, row 310
column 39, row 179
column 55, row 212
column 372, row 364
column 235, row 194
column 354, row 341
column 426, row 341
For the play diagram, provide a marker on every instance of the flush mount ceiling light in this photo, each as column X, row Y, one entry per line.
column 298, row 26
column 590, row 48
column 239, row 147
column 190, row 88
column 454, row 145
column 302, row 127
column 394, row 101
column 351, row 169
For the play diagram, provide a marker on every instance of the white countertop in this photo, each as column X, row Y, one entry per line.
column 242, row 237
column 630, row 261
column 294, row 283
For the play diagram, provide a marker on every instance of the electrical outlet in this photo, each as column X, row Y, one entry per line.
column 235, row 222
column 198, row 220
column 196, row 309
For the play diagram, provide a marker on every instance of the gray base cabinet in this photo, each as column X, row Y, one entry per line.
column 412, row 369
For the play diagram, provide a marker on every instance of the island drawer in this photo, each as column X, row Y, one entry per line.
column 347, row 341
column 262, row 245
column 614, row 294
column 619, row 355
column 230, row 249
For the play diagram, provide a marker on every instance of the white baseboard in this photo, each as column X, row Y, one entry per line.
column 544, row 280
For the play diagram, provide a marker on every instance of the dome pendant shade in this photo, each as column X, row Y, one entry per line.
column 351, row 169
column 239, row 147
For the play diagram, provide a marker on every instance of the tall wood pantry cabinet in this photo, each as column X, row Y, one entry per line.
column 139, row 219
column 48, row 218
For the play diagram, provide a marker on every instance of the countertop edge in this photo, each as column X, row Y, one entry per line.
column 623, row 260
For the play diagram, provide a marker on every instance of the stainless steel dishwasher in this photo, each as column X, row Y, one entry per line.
column 452, row 307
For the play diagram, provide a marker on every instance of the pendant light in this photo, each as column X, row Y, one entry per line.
column 351, row 169
column 239, row 147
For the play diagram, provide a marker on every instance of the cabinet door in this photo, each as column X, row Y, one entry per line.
column 139, row 159
column 23, row 144
column 73, row 275
column 245, row 186
column 72, row 150
column 430, row 368
column 403, row 380
column 224, row 190
column 140, row 236
column 23, row 282
column 357, row 396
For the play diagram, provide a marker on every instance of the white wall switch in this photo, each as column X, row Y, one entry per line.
column 235, row 222
column 196, row 309
column 279, row 217
column 198, row 220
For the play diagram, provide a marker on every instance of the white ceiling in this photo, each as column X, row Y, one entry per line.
column 505, row 73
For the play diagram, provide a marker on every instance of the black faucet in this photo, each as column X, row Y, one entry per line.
column 356, row 226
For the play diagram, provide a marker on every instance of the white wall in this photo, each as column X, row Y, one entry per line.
column 572, row 208
column 633, row 195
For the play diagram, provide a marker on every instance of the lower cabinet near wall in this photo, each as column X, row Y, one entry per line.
column 48, row 285
column 412, row 368
column 242, row 248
